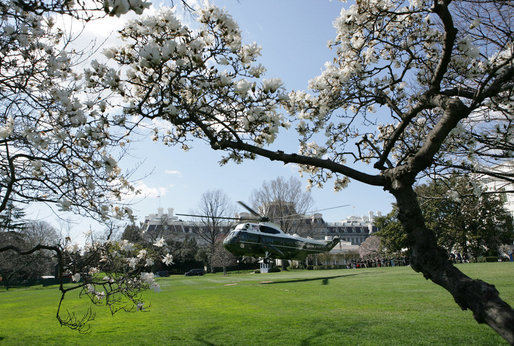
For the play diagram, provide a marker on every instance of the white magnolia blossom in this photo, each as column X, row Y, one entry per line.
column 242, row 87
column 64, row 204
column 132, row 262
column 120, row 7
column 168, row 259
column 149, row 279
column 72, row 248
column 313, row 149
column 7, row 130
column 454, row 195
column 115, row 258
column 160, row 242
column 271, row 85
column 142, row 254
column 126, row 245
column 341, row 183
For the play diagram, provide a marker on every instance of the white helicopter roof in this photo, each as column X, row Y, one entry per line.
column 263, row 227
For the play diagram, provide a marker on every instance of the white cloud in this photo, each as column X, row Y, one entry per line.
column 173, row 172
column 145, row 191
column 161, row 124
column 108, row 27
column 152, row 192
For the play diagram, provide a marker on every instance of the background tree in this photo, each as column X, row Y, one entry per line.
column 370, row 249
column 465, row 218
column 430, row 81
column 186, row 255
column 13, row 268
column 40, row 232
column 23, row 270
column 284, row 201
column 133, row 233
column 391, row 233
column 214, row 205
column 221, row 258
column 11, row 218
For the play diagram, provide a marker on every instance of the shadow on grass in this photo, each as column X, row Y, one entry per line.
column 324, row 280
column 336, row 332
column 203, row 342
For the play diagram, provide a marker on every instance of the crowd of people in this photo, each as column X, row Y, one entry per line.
column 380, row 262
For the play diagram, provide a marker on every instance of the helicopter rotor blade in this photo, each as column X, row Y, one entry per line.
column 253, row 212
column 211, row 217
column 339, row 206
column 297, row 216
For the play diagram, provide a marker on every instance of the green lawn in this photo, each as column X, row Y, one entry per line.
column 386, row 306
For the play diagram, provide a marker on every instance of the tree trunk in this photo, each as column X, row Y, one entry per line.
column 426, row 257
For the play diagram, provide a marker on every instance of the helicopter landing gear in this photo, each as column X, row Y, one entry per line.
column 266, row 264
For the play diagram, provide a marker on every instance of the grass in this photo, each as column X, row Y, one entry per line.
column 386, row 306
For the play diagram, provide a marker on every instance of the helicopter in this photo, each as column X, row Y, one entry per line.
column 264, row 239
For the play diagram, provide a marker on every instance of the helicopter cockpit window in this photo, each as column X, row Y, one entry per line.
column 266, row 229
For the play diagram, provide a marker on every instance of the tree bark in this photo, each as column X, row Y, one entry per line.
column 432, row 261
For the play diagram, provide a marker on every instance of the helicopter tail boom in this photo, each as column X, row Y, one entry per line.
column 332, row 243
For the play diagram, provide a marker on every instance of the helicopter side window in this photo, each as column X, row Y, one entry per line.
column 269, row 230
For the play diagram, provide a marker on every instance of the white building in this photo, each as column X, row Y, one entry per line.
column 505, row 188
column 161, row 217
column 165, row 224
column 354, row 229
column 344, row 253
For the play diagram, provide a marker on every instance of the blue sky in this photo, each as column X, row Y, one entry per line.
column 294, row 36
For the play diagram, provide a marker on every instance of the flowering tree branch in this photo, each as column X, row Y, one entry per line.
column 123, row 276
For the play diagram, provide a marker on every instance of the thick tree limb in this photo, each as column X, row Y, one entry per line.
column 375, row 180
column 478, row 296
column 441, row 9
column 454, row 111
